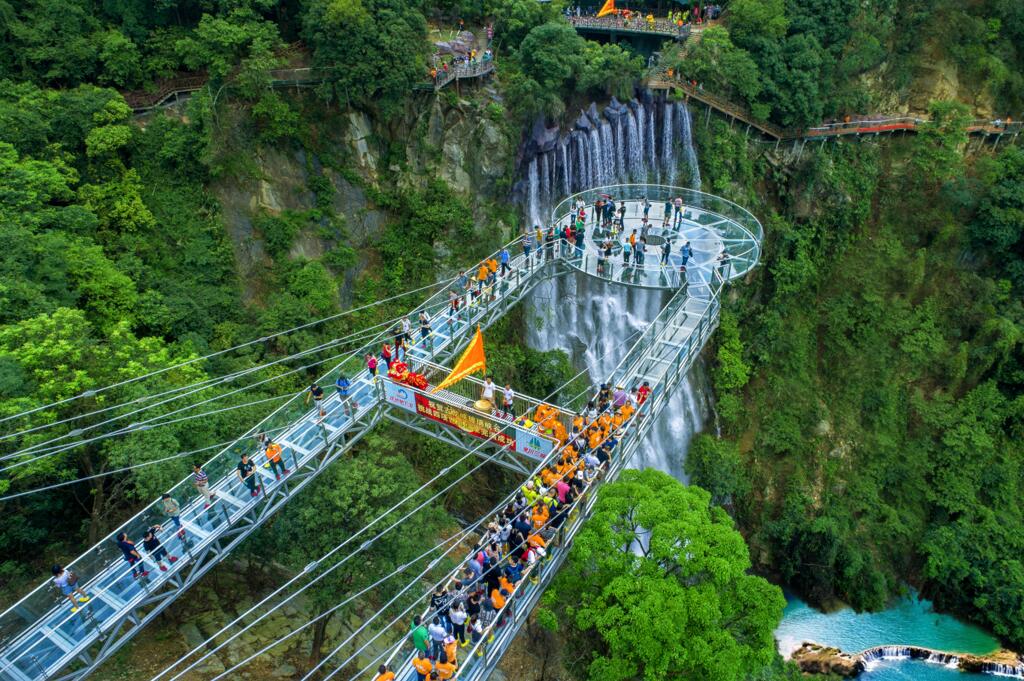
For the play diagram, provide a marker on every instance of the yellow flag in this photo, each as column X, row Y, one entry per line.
column 472, row 360
column 609, row 8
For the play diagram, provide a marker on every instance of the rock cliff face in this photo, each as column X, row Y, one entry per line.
column 817, row 659
column 457, row 140
column 813, row 658
column 461, row 142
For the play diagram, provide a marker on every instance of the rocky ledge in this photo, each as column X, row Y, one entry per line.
column 814, row 658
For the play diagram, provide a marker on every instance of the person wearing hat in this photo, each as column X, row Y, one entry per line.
column 619, row 397
column 67, row 582
column 530, row 492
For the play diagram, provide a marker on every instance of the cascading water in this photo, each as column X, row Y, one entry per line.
column 597, row 160
column 668, row 156
column 686, row 141
column 652, row 161
column 533, row 196
column 608, row 165
column 640, row 141
column 596, row 322
column 634, row 148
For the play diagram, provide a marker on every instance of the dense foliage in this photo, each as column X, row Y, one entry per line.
column 797, row 61
column 656, row 587
column 874, row 383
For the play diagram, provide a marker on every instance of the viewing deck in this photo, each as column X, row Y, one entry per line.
column 721, row 234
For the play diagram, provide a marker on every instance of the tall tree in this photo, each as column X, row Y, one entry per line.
column 656, row 586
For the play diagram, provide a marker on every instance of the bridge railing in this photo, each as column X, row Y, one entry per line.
column 483, row 655
column 638, row 24
column 101, row 566
column 742, row 233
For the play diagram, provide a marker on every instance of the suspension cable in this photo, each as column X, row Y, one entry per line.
column 125, row 469
column 95, row 391
column 58, row 448
column 359, row 336
column 332, row 551
column 334, row 608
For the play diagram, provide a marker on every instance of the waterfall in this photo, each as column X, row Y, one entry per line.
column 625, row 143
column 945, row 659
column 597, row 158
column 533, row 198
column 564, row 158
column 582, row 160
column 652, row 161
column 886, row 653
column 668, row 155
column 686, row 138
column 996, row 669
column 609, row 167
column 590, row 319
column 634, row 148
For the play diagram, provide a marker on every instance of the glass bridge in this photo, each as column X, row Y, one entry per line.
column 40, row 638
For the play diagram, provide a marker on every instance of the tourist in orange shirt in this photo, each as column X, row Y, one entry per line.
column 423, row 666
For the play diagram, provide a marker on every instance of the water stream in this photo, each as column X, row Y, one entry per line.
column 593, row 321
column 909, row 621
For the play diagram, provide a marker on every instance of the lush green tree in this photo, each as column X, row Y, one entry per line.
column 748, row 19
column 609, row 70
column 656, row 586
column 997, row 230
column 61, row 355
column 514, row 19
column 716, row 465
column 343, row 501
column 372, row 50
column 720, row 66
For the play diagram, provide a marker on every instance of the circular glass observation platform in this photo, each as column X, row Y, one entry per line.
column 723, row 239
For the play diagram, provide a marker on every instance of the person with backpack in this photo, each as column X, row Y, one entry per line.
column 316, row 393
column 173, row 509
column 156, row 550
column 67, row 582
column 344, row 388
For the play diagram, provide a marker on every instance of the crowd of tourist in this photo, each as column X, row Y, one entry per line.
column 479, row 599
column 640, row 19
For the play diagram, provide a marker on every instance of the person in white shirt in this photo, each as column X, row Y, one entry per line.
column 488, row 391
column 509, row 401
column 68, row 585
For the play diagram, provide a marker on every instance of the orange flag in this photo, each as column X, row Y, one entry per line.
column 609, row 8
column 472, row 360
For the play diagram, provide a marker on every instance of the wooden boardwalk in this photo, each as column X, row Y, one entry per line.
column 873, row 126
column 174, row 89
